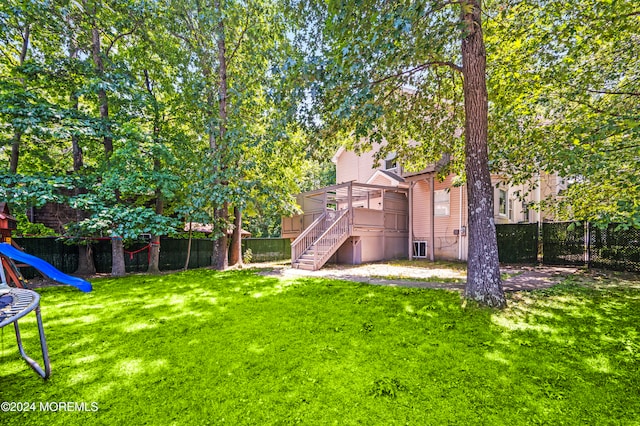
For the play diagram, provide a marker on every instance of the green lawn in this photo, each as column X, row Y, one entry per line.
column 203, row 347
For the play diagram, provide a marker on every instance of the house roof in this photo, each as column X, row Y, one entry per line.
column 409, row 177
column 386, row 174
column 392, row 175
column 207, row 228
column 337, row 155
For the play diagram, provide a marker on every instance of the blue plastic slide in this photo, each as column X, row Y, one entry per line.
column 43, row 266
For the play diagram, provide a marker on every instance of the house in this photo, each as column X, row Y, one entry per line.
column 377, row 211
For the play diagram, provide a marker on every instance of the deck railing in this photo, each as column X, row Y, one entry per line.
column 334, row 236
column 308, row 237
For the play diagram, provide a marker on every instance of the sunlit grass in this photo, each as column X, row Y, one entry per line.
column 203, row 347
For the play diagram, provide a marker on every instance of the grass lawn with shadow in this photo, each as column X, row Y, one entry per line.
column 206, row 347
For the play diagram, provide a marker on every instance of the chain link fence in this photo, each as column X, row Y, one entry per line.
column 614, row 248
column 518, row 243
column 564, row 243
column 572, row 244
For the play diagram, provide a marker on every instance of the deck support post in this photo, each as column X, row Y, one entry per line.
column 411, row 185
column 432, row 242
column 350, row 202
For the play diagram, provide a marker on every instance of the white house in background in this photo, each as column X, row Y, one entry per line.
column 376, row 211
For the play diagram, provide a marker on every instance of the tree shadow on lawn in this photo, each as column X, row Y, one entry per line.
column 578, row 345
column 254, row 349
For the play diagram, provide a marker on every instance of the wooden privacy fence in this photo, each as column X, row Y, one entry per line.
column 267, row 249
column 173, row 253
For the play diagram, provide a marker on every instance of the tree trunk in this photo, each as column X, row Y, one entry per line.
column 86, row 265
column 78, row 160
column 96, row 51
column 235, row 250
column 17, row 135
column 15, row 152
column 483, row 270
column 117, row 247
column 117, row 257
column 186, row 262
column 220, row 258
column 154, row 255
column 154, row 250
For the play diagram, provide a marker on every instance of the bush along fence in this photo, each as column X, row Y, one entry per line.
column 571, row 243
column 173, row 253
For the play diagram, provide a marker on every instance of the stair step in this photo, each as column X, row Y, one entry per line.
column 320, row 251
column 307, row 267
column 312, row 258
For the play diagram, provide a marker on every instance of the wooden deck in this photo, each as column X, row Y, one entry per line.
column 374, row 225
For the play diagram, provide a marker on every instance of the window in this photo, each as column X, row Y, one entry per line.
column 441, row 203
column 510, row 209
column 391, row 162
column 502, row 202
column 525, row 212
column 419, row 249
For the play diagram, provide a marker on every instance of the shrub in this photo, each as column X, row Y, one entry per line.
column 248, row 256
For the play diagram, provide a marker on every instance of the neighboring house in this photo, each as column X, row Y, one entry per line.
column 377, row 211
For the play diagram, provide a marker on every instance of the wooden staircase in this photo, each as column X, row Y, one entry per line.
column 313, row 248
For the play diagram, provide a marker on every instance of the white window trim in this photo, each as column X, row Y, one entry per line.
column 448, row 203
column 416, row 249
column 510, row 208
column 506, row 203
column 392, row 158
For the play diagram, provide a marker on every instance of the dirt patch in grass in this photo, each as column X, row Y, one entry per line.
column 446, row 275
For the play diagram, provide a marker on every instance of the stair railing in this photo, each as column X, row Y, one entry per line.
column 307, row 238
column 335, row 234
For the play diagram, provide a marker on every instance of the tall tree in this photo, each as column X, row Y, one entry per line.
column 172, row 104
column 17, row 135
column 396, row 72
column 22, row 25
column 219, row 145
column 154, row 250
column 230, row 50
column 483, row 272
column 116, row 24
column 86, row 264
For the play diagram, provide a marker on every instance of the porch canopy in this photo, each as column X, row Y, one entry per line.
column 350, row 195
